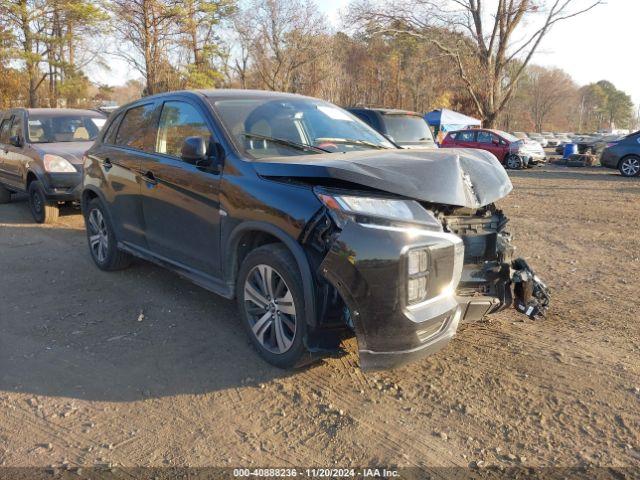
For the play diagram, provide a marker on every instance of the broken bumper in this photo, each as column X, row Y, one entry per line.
column 367, row 266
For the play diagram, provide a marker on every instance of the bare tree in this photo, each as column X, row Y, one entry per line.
column 284, row 36
column 548, row 89
column 149, row 27
column 482, row 45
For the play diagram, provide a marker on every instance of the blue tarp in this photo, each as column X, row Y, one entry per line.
column 448, row 120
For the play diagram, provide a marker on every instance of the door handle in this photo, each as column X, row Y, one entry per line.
column 107, row 164
column 150, row 178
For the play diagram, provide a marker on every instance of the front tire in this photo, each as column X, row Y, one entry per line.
column 271, row 302
column 102, row 239
column 5, row 195
column 514, row 162
column 630, row 166
column 43, row 211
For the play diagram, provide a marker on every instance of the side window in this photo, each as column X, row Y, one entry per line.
column 137, row 129
column 453, row 135
column 178, row 121
column 465, row 136
column 16, row 127
column 484, row 137
column 365, row 117
column 4, row 131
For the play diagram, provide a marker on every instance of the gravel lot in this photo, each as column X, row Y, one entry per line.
column 142, row 368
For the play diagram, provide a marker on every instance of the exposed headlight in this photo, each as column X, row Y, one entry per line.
column 57, row 164
column 390, row 208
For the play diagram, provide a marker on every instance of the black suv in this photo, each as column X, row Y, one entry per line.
column 41, row 153
column 405, row 128
column 313, row 221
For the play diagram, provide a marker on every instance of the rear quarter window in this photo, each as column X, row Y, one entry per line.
column 110, row 135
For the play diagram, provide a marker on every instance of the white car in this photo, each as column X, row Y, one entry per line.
column 552, row 140
column 534, row 150
column 538, row 138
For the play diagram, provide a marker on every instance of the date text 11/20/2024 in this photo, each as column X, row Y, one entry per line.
column 316, row 472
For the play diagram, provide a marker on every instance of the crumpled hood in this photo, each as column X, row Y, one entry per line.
column 459, row 177
column 72, row 151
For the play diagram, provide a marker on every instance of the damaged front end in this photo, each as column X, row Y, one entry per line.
column 397, row 283
column 404, row 286
column 406, row 245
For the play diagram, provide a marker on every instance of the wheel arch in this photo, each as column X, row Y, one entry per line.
column 267, row 233
column 624, row 157
column 30, row 178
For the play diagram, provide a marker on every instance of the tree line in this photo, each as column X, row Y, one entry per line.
column 410, row 54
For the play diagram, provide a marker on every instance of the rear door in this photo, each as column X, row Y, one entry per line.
column 179, row 200
column 5, row 127
column 466, row 139
column 129, row 140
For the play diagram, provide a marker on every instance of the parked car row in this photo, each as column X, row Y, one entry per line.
column 317, row 224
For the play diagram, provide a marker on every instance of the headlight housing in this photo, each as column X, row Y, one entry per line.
column 382, row 207
column 57, row 164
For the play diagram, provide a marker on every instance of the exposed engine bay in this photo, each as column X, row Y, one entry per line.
column 491, row 278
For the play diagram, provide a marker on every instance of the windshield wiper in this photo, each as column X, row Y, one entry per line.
column 352, row 141
column 288, row 143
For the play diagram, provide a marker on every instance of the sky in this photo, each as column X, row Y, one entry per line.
column 600, row 44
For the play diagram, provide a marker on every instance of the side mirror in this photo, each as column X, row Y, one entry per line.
column 194, row 151
column 16, row 141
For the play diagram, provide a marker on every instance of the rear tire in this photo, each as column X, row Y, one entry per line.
column 43, row 210
column 270, row 298
column 5, row 195
column 629, row 166
column 102, row 240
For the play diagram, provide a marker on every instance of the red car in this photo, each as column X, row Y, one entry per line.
column 509, row 150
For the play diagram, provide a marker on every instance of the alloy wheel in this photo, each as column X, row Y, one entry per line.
column 269, row 306
column 630, row 167
column 98, row 235
column 513, row 162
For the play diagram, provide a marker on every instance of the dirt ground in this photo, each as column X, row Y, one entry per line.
column 142, row 368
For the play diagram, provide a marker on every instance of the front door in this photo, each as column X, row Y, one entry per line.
column 180, row 201
column 16, row 159
column 490, row 142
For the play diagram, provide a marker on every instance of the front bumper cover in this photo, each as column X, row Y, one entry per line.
column 366, row 265
column 63, row 187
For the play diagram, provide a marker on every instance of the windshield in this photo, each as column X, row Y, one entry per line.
column 407, row 129
column 507, row 136
column 52, row 128
column 268, row 127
